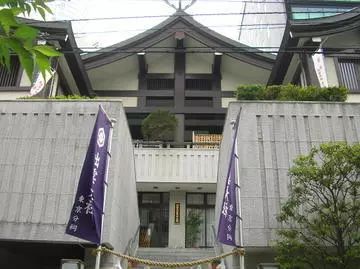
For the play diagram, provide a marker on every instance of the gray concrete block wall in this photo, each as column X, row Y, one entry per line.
column 271, row 135
column 43, row 146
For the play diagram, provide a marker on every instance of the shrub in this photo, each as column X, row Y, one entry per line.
column 250, row 92
column 291, row 93
column 159, row 125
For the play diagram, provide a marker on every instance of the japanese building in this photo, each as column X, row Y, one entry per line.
column 185, row 68
column 180, row 66
column 337, row 60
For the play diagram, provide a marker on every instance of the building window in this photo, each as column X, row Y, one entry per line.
column 302, row 12
column 200, row 209
column 9, row 77
column 198, row 84
column 349, row 74
column 163, row 101
column 199, row 101
column 160, row 84
column 154, row 219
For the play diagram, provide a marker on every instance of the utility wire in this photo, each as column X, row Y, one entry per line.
column 309, row 50
column 201, row 14
column 184, row 28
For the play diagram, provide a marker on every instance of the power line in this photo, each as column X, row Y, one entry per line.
column 201, row 14
column 185, row 28
column 245, row 50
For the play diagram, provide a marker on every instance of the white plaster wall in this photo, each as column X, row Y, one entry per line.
column 225, row 101
column 177, row 231
column 126, row 101
column 196, row 63
column 331, row 72
column 160, row 62
column 353, row 98
column 24, row 81
column 235, row 73
column 12, row 95
column 129, row 101
column 119, row 75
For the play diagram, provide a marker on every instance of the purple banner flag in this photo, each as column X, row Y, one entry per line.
column 86, row 216
column 228, row 213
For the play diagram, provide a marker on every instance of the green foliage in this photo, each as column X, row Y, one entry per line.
column 20, row 39
column 250, row 92
column 291, row 93
column 159, row 125
column 322, row 213
column 193, row 222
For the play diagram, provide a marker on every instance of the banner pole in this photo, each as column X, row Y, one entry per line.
column 241, row 242
column 98, row 253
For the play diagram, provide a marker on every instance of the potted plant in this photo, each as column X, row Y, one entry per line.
column 193, row 222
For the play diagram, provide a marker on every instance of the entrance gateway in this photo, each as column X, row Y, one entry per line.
column 154, row 211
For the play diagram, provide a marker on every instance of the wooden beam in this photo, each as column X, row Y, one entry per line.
column 142, row 86
column 216, row 81
column 142, row 63
column 216, row 68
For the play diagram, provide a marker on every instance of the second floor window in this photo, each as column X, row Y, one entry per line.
column 349, row 74
column 9, row 77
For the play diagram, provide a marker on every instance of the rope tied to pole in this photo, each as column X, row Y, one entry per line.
column 136, row 260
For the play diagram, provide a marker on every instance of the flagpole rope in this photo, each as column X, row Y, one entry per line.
column 236, row 251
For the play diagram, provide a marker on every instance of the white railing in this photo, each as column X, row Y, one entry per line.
column 181, row 165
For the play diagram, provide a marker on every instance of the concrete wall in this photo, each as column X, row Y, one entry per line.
column 45, row 144
column 271, row 135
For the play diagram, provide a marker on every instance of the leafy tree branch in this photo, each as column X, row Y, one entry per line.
column 20, row 39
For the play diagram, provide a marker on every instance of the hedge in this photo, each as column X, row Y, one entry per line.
column 291, row 93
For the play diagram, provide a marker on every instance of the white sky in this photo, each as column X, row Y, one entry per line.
column 103, row 33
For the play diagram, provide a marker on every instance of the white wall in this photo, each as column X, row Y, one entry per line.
column 24, row 81
column 199, row 63
column 235, row 73
column 12, row 95
column 353, row 98
column 119, row 75
column 331, row 72
column 160, row 62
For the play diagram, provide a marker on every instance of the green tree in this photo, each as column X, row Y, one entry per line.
column 20, row 39
column 159, row 125
column 321, row 217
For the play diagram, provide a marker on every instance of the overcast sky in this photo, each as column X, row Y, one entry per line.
column 102, row 33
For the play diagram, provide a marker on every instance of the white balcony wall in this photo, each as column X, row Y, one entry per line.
column 174, row 165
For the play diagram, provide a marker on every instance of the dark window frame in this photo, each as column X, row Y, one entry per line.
column 337, row 61
column 16, row 79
